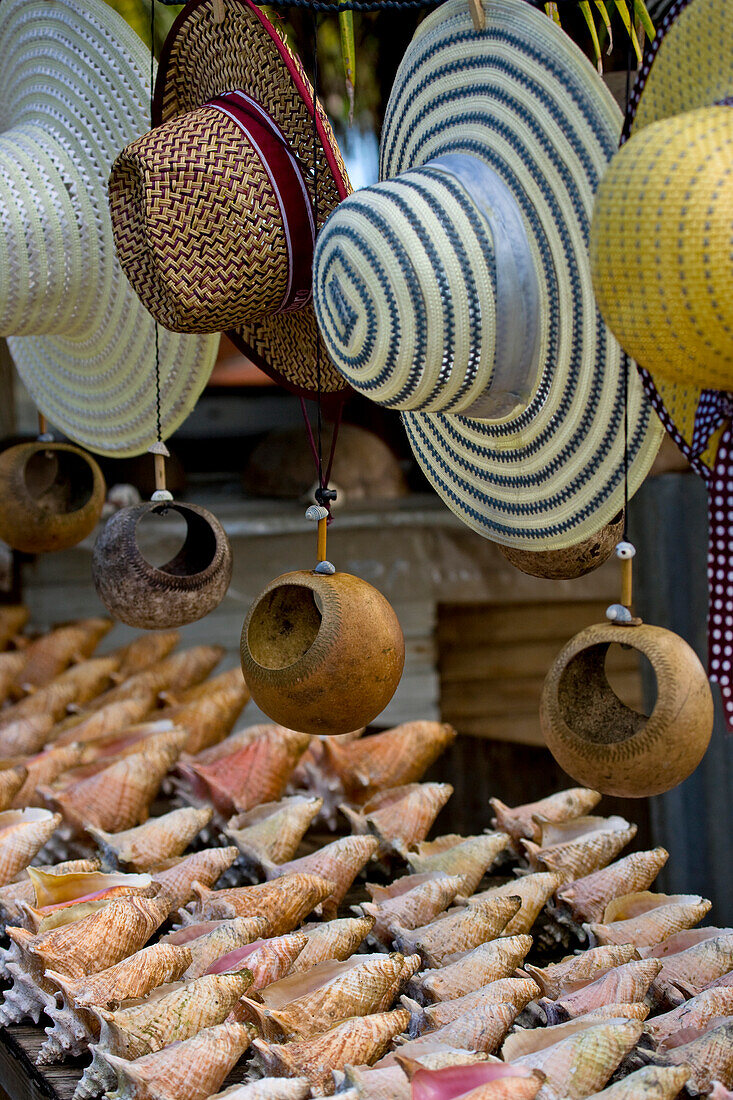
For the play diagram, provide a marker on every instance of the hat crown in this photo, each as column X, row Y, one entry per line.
column 426, row 292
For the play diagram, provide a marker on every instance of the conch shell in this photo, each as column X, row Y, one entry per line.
column 709, row 1057
column 339, row 862
column 273, row 830
column 172, row 674
column 279, row 1088
column 13, row 618
column 208, row 712
column 62, row 898
column 468, row 857
column 696, row 1015
column 587, row 897
column 268, row 960
column 458, row 931
column 10, row 665
column 392, row 759
column 98, row 725
column 688, row 973
column 487, row 963
column 190, row 1070
column 646, row 919
column 519, row 821
column 578, row 847
column 622, row 985
column 47, row 656
column 515, row 991
column 481, row 1029
column 44, row 769
column 145, row 650
column 26, row 735
column 21, row 890
column 680, row 941
column 11, row 781
column 358, row 1041
column 219, row 941
column 413, row 908
column 530, row 1040
column 400, row 817
column 78, row 685
column 485, row 1081
column 533, row 891
column 205, row 867
column 650, row 1083
column 283, row 903
column 22, row 834
column 160, row 838
column 574, row 970
column 584, row 1062
column 334, row 940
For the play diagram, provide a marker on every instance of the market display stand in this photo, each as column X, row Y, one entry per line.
column 21, row 1078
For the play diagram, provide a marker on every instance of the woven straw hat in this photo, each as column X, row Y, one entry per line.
column 215, row 210
column 458, row 289
column 662, row 228
column 75, row 90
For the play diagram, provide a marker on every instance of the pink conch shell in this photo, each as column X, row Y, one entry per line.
column 150, row 737
column 682, row 940
column 273, row 830
column 687, row 973
column 708, row 1056
column 392, row 759
column 519, row 821
column 720, row 1092
column 530, row 1040
column 75, row 687
column 576, row 970
column 697, row 1014
column 172, row 674
column 413, row 908
column 279, row 1088
column 119, row 796
column 650, row 1083
column 22, row 889
column 47, row 656
column 356, row 1042
column 721, row 982
column 534, row 891
column 624, row 984
column 380, row 894
column 44, row 769
column 392, row 1082
column 209, row 711
column 268, row 731
column 334, row 940
column 587, row 898
column 487, row 963
column 464, row 1081
column 458, row 931
column 284, row 903
column 309, row 767
column 511, row 1088
column 304, row 1005
column 25, row 736
column 646, row 919
column 99, row 725
column 11, row 781
column 469, row 857
column 575, row 848
column 583, row 1063
column 22, row 834
column 481, row 1029
column 339, row 862
column 400, row 817
column 13, row 618
column 144, row 651
column 64, row 895
column 190, row 1070
column 267, row 960
column 205, row 867
column 218, row 942
column 160, row 838
column 256, row 772
column 515, row 991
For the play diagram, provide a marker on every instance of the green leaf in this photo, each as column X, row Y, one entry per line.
column 588, row 15
column 644, row 18
column 348, row 50
column 600, row 4
column 623, row 10
column 551, row 10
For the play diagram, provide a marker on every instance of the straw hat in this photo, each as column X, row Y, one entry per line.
column 215, row 210
column 75, row 90
column 458, row 289
column 661, row 237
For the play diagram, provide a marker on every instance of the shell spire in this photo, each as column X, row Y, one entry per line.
column 273, row 830
column 709, row 1057
column 469, row 857
column 77, row 686
column 158, row 839
column 696, row 1014
column 646, row 919
column 533, row 891
column 688, row 972
column 624, row 984
column 481, row 1029
column 144, row 651
column 339, row 862
column 26, row 735
column 520, row 821
column 400, row 817
column 97, row 726
column 334, row 940
column 487, row 963
column 650, row 1083
column 413, row 908
column 22, row 835
column 283, row 903
column 459, row 931
column 587, row 897
column 575, row 848
column 172, row 674
column 514, row 991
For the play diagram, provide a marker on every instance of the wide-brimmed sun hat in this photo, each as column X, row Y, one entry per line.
column 75, row 90
column 215, row 210
column 458, row 289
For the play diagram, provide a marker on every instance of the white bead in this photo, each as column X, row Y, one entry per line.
column 625, row 550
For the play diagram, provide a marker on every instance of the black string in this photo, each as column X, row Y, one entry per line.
column 159, row 429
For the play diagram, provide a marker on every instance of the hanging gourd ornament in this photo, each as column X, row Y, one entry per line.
column 186, row 588
column 605, row 744
column 322, row 651
column 572, row 562
column 51, row 495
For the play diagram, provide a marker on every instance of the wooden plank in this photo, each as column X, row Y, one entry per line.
column 494, row 698
column 507, row 622
column 521, row 729
column 19, row 1077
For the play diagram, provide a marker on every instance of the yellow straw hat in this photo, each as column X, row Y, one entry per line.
column 75, row 90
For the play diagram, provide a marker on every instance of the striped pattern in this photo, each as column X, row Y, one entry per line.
column 76, row 91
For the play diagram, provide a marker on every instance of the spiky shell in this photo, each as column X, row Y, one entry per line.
column 533, row 891
column 519, row 821
column 576, row 848
column 221, row 941
column 205, row 867
column 646, row 919
column 391, row 759
column 273, row 830
column 284, row 903
column 562, row 977
column 412, row 909
column 650, row 1083
column 696, row 1014
column 469, row 857
column 339, row 862
column 22, row 834
column 458, row 931
column 587, row 897
column 400, row 817
column 43, row 770
column 190, row 1070
column 333, row 940
column 356, row 1042
column 709, row 1057
column 25, row 736
column 209, row 711
column 487, row 963
column 584, row 1062
column 160, row 838
column 481, row 1029
column 515, row 991
column 624, row 984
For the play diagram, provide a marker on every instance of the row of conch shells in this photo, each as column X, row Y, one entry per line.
column 218, row 939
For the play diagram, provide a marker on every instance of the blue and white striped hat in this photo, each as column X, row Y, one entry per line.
column 458, row 289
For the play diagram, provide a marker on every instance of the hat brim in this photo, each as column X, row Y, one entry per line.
column 523, row 98
column 202, row 59
column 76, row 92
